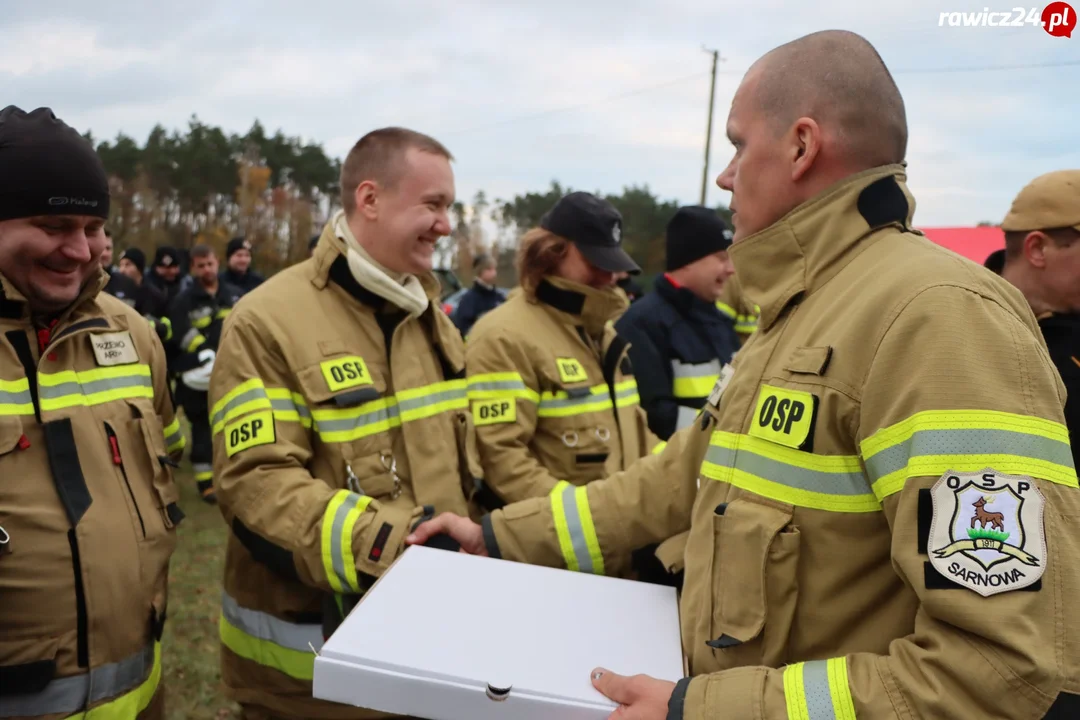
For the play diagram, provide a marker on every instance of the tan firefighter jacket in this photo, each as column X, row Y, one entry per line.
column 337, row 426
column 87, row 509
column 734, row 304
column 882, row 502
column 553, row 398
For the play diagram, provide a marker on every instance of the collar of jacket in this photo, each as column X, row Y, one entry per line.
column 330, row 248
column 683, row 299
column 811, row 244
column 580, row 304
column 13, row 304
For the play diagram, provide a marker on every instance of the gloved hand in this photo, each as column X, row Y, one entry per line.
column 199, row 378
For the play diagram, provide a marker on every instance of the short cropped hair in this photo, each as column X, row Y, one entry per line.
column 377, row 156
column 201, row 251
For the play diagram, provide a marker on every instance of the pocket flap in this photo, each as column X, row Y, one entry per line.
column 746, row 532
column 809, row 360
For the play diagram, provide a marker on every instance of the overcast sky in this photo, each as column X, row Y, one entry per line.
column 599, row 94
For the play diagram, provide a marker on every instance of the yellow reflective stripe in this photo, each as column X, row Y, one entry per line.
column 693, row 387
column 130, row 704
column 294, row 663
column 174, row 438
column 429, row 400
column 822, row 482
column 496, row 386
column 289, row 406
column 558, row 514
column 94, row 387
column 726, row 309
column 561, row 404
column 222, row 313
column 202, row 323
column 195, row 343
column 839, row 690
column 15, row 398
column 934, row 442
column 795, row 693
column 347, row 424
column 818, row 690
column 659, row 447
column 246, row 386
column 339, row 521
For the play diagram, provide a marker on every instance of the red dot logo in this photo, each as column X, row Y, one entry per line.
column 1059, row 19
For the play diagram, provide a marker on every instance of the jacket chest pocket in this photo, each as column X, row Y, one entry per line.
column 353, row 416
column 754, row 581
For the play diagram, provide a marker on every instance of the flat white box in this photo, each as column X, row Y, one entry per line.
column 441, row 628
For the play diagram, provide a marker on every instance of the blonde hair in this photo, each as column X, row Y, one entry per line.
column 539, row 254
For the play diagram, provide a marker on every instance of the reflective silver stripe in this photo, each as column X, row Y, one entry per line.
column 352, row 423
column 819, row 703
column 203, row 471
column 257, row 393
column 72, row 694
column 626, row 393
column 271, row 629
column 92, row 387
column 412, row 404
column 337, row 556
column 501, row 385
column 967, row 442
column 701, row 370
column 175, row 439
column 15, row 398
column 189, row 337
column 793, row 476
column 577, row 533
column 287, row 405
column 686, row 417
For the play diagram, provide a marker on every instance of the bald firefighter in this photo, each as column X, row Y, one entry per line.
column 340, row 421
column 881, row 497
column 88, row 508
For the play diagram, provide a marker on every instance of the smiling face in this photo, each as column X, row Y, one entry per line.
column 402, row 221
column 50, row 259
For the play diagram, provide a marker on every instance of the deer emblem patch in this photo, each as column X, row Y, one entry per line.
column 987, row 531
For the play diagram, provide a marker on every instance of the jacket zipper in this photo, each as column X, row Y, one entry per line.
column 114, row 445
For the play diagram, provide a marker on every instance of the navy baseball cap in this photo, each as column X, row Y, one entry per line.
column 595, row 227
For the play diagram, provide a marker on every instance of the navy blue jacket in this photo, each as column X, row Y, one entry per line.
column 678, row 344
column 476, row 301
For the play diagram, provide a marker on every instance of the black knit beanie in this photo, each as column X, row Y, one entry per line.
column 137, row 258
column 48, row 168
column 236, row 244
column 693, row 233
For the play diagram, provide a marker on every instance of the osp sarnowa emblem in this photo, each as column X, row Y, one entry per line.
column 987, row 531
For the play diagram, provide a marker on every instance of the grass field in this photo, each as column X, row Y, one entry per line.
column 190, row 655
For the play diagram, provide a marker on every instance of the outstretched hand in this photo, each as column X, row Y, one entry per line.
column 640, row 697
column 467, row 533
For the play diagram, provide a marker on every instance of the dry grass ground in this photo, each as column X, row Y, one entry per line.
column 190, row 646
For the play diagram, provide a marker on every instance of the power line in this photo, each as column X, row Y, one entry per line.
column 695, row 76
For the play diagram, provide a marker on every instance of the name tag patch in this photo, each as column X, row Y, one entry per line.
column 254, row 430
column 783, row 416
column 114, row 349
column 570, row 370
column 345, row 372
column 493, row 412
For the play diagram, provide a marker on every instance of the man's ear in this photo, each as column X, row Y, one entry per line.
column 366, row 196
column 1035, row 248
column 806, row 146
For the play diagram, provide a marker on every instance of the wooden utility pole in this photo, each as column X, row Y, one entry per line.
column 708, row 130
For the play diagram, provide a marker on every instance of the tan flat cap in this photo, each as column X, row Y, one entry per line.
column 1049, row 201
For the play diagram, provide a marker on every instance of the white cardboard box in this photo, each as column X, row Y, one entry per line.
column 441, row 633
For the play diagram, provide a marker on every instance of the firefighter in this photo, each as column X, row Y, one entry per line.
column 552, row 391
column 340, row 421
column 734, row 304
column 1042, row 259
column 881, row 497
column 197, row 316
column 87, row 501
column 679, row 339
column 238, row 272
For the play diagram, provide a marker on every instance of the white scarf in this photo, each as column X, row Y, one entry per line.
column 408, row 294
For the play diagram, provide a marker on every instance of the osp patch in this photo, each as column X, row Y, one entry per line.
column 987, row 532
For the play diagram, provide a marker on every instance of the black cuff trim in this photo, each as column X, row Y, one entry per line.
column 678, row 699
column 27, row 678
column 262, row 550
column 490, row 542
